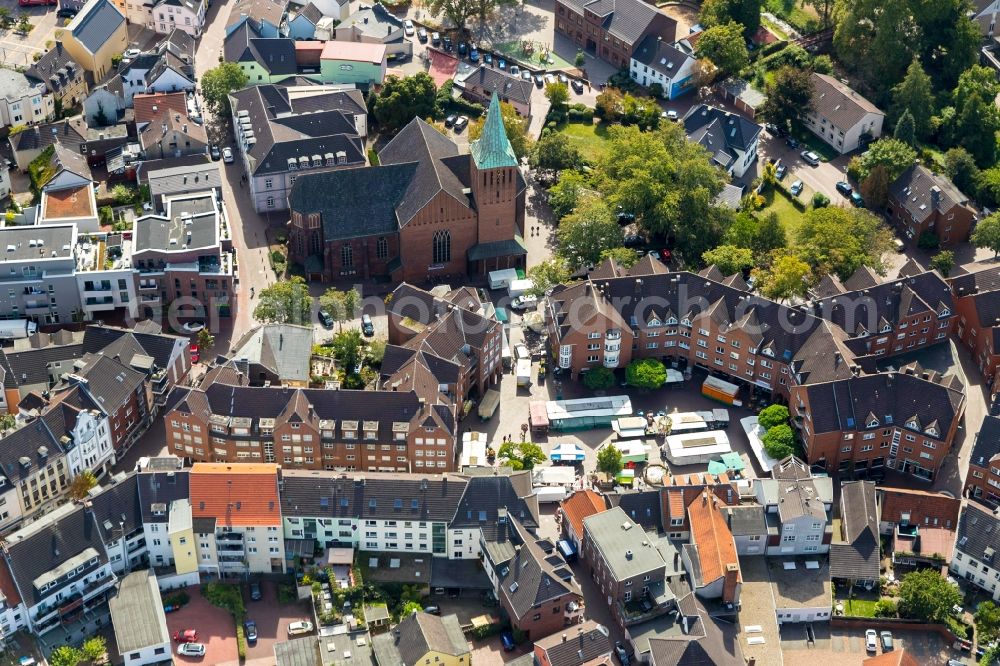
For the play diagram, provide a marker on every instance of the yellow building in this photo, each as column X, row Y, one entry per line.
column 423, row 638
column 95, row 36
column 181, row 534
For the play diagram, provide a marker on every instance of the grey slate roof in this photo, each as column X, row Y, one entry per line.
column 284, row 349
column 606, row 531
column 311, row 13
column 184, row 179
column 914, row 191
column 95, row 24
column 270, row 10
column 56, row 68
column 533, row 577
column 977, row 531
column 571, row 648
column 660, row 56
column 643, row 507
column 111, row 341
column 417, row 635
column 745, row 520
column 137, row 613
column 372, row 21
column 987, row 444
column 22, row 446
column 160, row 487
column 325, row 494
column 110, row 382
column 484, row 498
column 628, row 20
column 857, row 557
column 116, row 508
column 506, row 86
column 720, row 132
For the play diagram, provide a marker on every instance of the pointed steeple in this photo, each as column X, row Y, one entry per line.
column 492, row 150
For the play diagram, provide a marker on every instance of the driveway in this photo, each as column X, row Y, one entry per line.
column 215, row 627
column 820, row 178
column 272, row 621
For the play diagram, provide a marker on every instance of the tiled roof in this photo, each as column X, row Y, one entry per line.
column 56, row 68
column 857, row 557
column 149, row 106
column 108, row 339
column 629, row 20
column 895, row 658
column 237, row 495
column 977, row 532
column 157, row 489
column 111, row 382
column 584, row 643
column 642, row 506
column 533, row 577
column 270, row 10
column 987, row 444
column 660, row 56
column 710, row 533
column 924, row 508
column 506, row 86
column 416, row 636
column 838, row 102
column 284, row 349
column 116, row 508
column 720, row 131
column 579, row 505
column 914, row 190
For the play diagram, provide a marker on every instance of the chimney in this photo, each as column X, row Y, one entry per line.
column 936, row 195
column 564, row 638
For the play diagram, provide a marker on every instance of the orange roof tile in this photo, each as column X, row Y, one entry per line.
column 149, row 106
column 579, row 505
column 709, row 531
column 676, row 504
column 923, row 507
column 894, row 658
column 68, row 203
column 236, row 494
column 7, row 586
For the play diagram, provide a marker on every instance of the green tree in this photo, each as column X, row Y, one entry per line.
column 779, row 442
column 521, row 455
column 820, row 200
column 725, row 47
column 400, row 100
column 976, row 125
column 341, row 305
column 608, row 106
column 587, row 232
column 744, row 12
column 564, row 195
column 943, row 262
column 599, row 378
column 647, row 373
column 456, row 11
column 65, row 655
column 839, row 240
column 961, row 168
column 875, row 187
column 94, row 648
column 789, row 96
column 553, row 151
column 786, row 277
column 987, row 234
column 609, row 460
column 557, row 94
column 515, row 125
column 217, row 84
column 24, row 24
column 761, row 236
column 625, row 257
column 547, row 274
column 7, row 422
column 773, row 415
column 205, row 340
column 81, row 484
column 347, row 347
column 886, row 608
column 927, row 595
column 286, row 302
column 987, row 619
column 6, row 18
column 987, row 187
column 410, row 607
column 729, row 259
column 915, row 94
column 906, row 130
column 376, row 352
column 893, row 154
column 875, row 39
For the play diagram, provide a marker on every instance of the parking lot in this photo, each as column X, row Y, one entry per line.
column 215, row 628
column 847, row 646
column 272, row 621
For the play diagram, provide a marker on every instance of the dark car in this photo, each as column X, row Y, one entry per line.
column 886, row 637
column 450, row 120
column 792, row 142
column 463, row 48
column 66, row 13
column 577, row 86
column 488, row 58
column 508, row 641
column 367, row 327
column 474, row 55
column 448, row 46
column 634, row 240
column 325, row 319
column 539, row 80
column 214, row 152
column 622, row 654
column 433, row 610
column 844, row 188
column 461, row 123
column 857, row 200
column 250, row 631
column 255, row 593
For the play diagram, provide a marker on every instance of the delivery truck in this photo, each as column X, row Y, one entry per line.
column 550, row 494
column 501, row 279
column 524, row 372
column 16, row 329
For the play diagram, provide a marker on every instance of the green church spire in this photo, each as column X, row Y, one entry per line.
column 492, row 150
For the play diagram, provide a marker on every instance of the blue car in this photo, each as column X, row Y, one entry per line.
column 250, row 631
column 508, row 641
column 474, row 55
column 488, row 58
column 501, row 63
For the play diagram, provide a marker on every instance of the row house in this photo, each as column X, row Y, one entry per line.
column 904, row 420
column 921, row 524
column 611, row 31
column 236, row 519
column 977, row 542
column 483, row 514
column 116, row 511
column 797, row 508
column 983, row 479
column 23, row 100
column 62, row 77
column 855, row 551
column 977, row 309
column 679, row 491
column 575, row 508
column 710, row 558
column 407, row 430
column 163, row 492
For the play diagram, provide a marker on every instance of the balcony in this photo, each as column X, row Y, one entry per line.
column 100, row 300
column 160, row 382
column 611, row 361
column 148, row 284
column 614, row 334
column 229, row 536
column 573, row 612
column 36, row 307
column 230, row 548
column 149, row 299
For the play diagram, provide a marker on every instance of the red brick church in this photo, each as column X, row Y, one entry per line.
column 427, row 211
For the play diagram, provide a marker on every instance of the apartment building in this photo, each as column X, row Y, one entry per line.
column 118, row 516
column 77, row 419
column 163, row 492
column 184, row 259
column 236, row 518
column 39, row 273
column 482, row 515
column 840, row 116
column 36, row 465
column 921, row 201
column 921, row 524
column 749, row 526
column 95, row 35
column 375, row 24
column 611, row 31
column 729, row 138
column 974, row 558
column 983, row 479
column 798, row 509
column 587, row 645
column 977, row 295
column 61, row 76
column 23, row 100
column 678, row 493
column 186, row 15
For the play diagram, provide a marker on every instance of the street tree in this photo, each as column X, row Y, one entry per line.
column 729, row 259
column 779, row 441
column 218, row 82
column 895, row 155
column 609, row 460
column 587, row 232
column 285, row 302
column 927, row 595
column 725, row 46
column 557, row 94
column 625, row 257
column 400, row 100
column 647, row 373
column 788, row 276
column 81, row 484
column 839, row 240
column 773, row 415
column 943, row 262
column 554, row 152
column 205, row 340
column 24, row 24
column 915, row 93
column 547, row 274
column 789, row 96
column 599, row 378
column 342, row 305
column 457, row 11
column 521, row 455
column 987, row 234
column 515, row 125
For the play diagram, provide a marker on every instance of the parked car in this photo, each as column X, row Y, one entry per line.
column 539, row 80
column 433, row 610
column 550, row 78
column 857, row 200
column 844, row 188
column 213, row 150
column 447, row 44
column 130, row 54
column 66, row 13
column 367, row 327
column 515, row 70
column 672, row 116
column 621, row 653
column 501, row 63
column 792, row 142
column 463, row 48
column 524, row 302
column 796, row 188
column 227, row 155
column 250, row 631
column 886, row 637
column 781, row 171
column 435, row 38
column 408, row 27
column 299, row 627
column 809, row 157
column 461, row 123
column 191, row 649
column 255, row 593
column 526, row 75
column 771, row 129
column 488, row 58
column 871, row 640
column 325, row 319
column 450, row 120
column 186, row 636
column 508, row 641
column 577, row 86
column 422, row 35
column 195, row 353
column 563, row 79
column 193, row 326
column 474, row 55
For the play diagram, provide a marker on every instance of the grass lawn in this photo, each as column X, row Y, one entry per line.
column 514, row 50
column 858, row 607
column 590, row 139
column 793, row 12
column 773, row 27
column 790, row 216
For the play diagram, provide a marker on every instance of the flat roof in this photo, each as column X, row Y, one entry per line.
column 72, row 202
column 800, row 587
column 137, row 613
column 37, row 242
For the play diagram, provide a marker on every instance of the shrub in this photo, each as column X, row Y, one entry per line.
column 277, row 257
column 226, row 596
column 885, row 608
column 241, row 642
column 820, row 200
column 928, row 241
column 773, row 415
column 599, row 378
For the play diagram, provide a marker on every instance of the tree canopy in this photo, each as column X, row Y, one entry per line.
column 548, row 273
column 647, row 373
column 839, row 240
column 890, row 153
column 729, row 259
column 786, row 276
column 987, row 621
column 987, row 234
column 779, row 441
column 521, row 455
column 341, row 305
column 773, row 415
column 915, row 93
column 744, row 12
column 609, row 460
column 286, row 302
column 599, row 378
column 927, row 595
column 400, row 100
column 587, row 232
column 725, row 46
column 554, row 152
column 218, row 82
column 761, row 236
column 789, row 96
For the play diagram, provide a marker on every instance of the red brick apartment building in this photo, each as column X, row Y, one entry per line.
column 983, row 480
column 611, row 29
column 977, row 309
column 921, row 201
column 714, row 323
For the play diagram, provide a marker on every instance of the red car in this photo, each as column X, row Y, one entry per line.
column 186, row 636
column 195, row 354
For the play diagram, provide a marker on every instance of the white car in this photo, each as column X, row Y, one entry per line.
column 520, row 351
column 227, row 155
column 299, row 627
column 130, row 54
column 191, row 649
column 524, row 302
column 796, row 188
column 193, row 326
column 871, row 640
column 408, row 27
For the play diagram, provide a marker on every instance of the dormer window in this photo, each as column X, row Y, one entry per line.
column 885, row 328
column 944, row 313
column 873, row 423
column 912, row 425
column 654, row 322
column 933, row 432
column 671, row 321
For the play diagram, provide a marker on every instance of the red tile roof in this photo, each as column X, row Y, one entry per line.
column 579, row 505
column 7, row 586
column 709, row 531
column 894, row 658
column 924, row 507
column 148, row 107
column 236, row 494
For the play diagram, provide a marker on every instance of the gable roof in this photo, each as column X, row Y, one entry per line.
column 56, row 68
column 95, row 24
column 532, row 577
column 148, row 106
column 137, row 613
column 629, row 20
column 418, row 634
column 589, row 641
column 857, row 556
column 894, row 658
column 503, row 84
column 579, row 505
column 722, row 133
column 977, row 532
column 271, row 11
column 660, row 56
column 236, row 495
column 922, row 193
column 284, row 349
column 923, row 508
column 838, row 102
column 710, row 534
